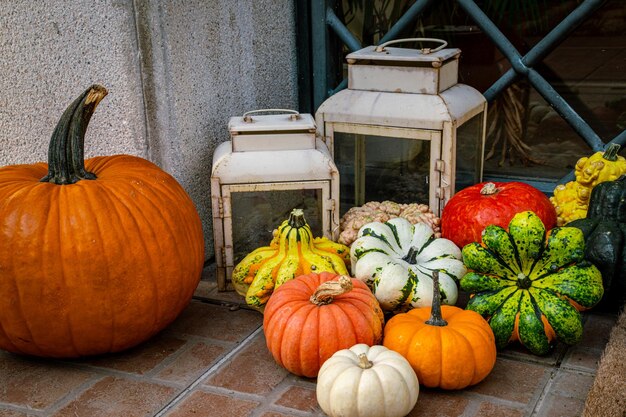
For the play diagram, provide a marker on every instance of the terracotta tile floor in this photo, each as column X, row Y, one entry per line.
column 212, row 361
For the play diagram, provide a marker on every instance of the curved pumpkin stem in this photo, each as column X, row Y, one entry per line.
column 66, row 153
column 435, row 313
column 325, row 293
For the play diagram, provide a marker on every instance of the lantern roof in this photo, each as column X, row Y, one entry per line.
column 457, row 104
column 272, row 166
column 272, row 148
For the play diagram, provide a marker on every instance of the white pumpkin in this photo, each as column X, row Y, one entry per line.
column 396, row 260
column 366, row 381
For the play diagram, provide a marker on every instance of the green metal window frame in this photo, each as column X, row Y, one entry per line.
column 319, row 27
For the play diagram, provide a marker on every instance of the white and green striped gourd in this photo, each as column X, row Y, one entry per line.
column 396, row 260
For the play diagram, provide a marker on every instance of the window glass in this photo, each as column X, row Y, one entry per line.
column 377, row 168
column 526, row 137
column 256, row 214
column 468, row 152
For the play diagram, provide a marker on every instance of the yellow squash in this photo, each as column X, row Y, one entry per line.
column 293, row 252
column 571, row 200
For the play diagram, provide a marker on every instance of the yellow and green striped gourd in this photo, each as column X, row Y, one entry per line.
column 293, row 252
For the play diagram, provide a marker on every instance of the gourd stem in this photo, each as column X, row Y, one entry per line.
column 364, row 363
column 610, row 153
column 489, row 189
column 523, row 282
column 66, row 160
column 325, row 293
column 435, row 313
column 296, row 218
column 411, row 256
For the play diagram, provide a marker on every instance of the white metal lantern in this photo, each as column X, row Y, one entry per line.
column 404, row 130
column 272, row 164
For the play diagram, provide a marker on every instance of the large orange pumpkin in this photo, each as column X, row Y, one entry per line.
column 96, row 256
column 448, row 347
column 311, row 317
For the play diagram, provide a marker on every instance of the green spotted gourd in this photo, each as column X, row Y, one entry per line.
column 604, row 229
column 396, row 260
column 531, row 284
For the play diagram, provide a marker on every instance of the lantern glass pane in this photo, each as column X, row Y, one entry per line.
column 255, row 214
column 378, row 168
column 469, row 152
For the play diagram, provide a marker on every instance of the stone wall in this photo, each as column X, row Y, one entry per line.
column 176, row 71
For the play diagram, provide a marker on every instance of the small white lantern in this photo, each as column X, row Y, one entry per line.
column 272, row 164
column 404, row 130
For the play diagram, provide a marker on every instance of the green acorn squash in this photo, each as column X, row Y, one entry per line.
column 604, row 229
column 529, row 284
column 396, row 260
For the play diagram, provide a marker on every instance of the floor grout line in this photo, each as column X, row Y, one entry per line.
column 190, row 342
column 238, row 395
column 496, row 400
column 35, row 412
column 545, row 392
column 73, row 394
column 208, row 372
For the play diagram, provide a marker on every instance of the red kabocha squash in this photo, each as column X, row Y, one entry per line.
column 96, row 256
column 469, row 211
column 311, row 317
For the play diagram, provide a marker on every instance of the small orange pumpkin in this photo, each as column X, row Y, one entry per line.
column 313, row 316
column 448, row 347
column 97, row 255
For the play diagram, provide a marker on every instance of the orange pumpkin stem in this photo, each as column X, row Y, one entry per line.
column 66, row 153
column 435, row 313
column 326, row 292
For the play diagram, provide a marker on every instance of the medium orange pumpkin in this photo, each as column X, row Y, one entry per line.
column 313, row 316
column 448, row 347
column 97, row 255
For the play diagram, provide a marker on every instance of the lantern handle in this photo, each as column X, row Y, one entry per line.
column 381, row 48
column 294, row 115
